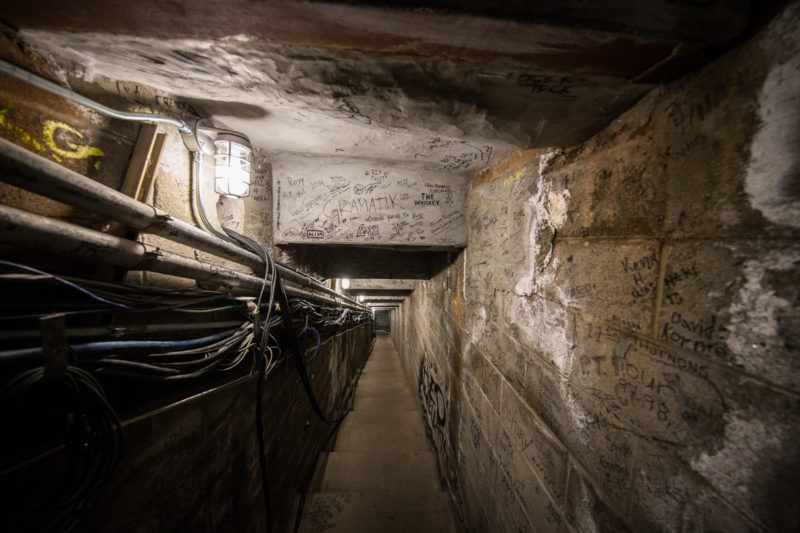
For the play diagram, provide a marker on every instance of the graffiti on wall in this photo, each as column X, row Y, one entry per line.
column 435, row 401
column 57, row 139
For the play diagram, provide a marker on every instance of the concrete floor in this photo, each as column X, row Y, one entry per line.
column 381, row 475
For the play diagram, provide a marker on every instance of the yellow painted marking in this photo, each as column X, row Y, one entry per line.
column 18, row 133
column 77, row 151
column 511, row 179
column 48, row 144
column 458, row 310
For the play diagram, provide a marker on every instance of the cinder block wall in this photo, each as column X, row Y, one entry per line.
column 616, row 348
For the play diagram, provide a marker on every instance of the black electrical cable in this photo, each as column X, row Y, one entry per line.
column 148, row 360
column 92, row 438
column 262, row 339
column 262, row 458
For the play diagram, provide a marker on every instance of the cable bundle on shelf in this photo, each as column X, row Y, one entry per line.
column 262, row 330
column 92, row 440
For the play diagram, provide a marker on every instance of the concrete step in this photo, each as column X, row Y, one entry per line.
column 397, row 389
column 382, row 403
column 372, row 381
column 386, row 364
column 366, row 512
column 410, row 420
column 413, row 473
column 395, row 432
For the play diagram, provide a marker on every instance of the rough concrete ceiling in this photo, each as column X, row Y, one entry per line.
column 444, row 86
column 379, row 83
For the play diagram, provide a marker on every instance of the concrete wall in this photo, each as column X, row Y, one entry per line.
column 616, row 348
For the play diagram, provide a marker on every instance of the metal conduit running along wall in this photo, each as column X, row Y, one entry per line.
column 29, row 171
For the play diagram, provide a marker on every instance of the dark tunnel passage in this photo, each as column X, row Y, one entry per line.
column 399, row 266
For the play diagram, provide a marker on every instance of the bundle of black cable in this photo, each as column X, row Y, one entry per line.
column 76, row 434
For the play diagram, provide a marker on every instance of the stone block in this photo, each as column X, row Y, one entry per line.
column 478, row 503
column 710, row 117
column 507, row 355
column 601, row 445
column 615, row 277
column 586, row 511
column 611, row 193
column 534, row 441
column 668, row 497
column 735, row 303
column 753, row 465
column 484, row 374
column 509, row 509
column 543, row 327
column 545, row 392
column 655, row 393
column 541, row 508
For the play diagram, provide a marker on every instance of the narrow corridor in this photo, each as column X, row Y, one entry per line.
column 579, row 220
column 381, row 474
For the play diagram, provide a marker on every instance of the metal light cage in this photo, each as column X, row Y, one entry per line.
column 233, row 160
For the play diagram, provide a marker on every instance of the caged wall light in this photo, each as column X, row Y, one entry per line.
column 233, row 157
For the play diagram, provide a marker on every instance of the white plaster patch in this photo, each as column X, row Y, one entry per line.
column 478, row 326
column 754, row 330
column 550, row 207
column 543, row 326
column 774, row 169
column 557, row 206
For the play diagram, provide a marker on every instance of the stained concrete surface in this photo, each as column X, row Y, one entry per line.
column 381, row 474
column 616, row 348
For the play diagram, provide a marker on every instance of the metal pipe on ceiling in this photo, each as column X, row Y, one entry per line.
column 29, row 230
column 31, row 172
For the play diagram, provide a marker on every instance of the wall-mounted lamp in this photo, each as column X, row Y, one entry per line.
column 233, row 157
column 345, row 283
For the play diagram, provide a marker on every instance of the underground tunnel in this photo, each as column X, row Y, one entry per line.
column 399, row 266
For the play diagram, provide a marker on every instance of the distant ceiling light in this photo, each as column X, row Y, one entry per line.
column 233, row 157
column 361, row 298
column 345, row 283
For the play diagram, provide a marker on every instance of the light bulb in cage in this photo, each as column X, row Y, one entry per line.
column 345, row 283
column 233, row 160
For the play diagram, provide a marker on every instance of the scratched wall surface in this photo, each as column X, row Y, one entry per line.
column 620, row 344
column 350, row 202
